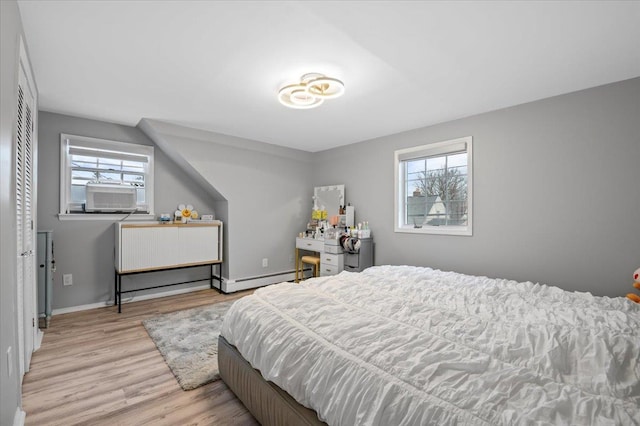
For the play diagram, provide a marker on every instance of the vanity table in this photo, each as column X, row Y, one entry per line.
column 333, row 259
column 330, row 251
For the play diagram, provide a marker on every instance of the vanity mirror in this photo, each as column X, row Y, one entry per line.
column 331, row 197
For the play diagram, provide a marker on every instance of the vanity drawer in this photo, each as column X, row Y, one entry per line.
column 327, row 270
column 333, row 249
column 327, row 259
column 310, row 244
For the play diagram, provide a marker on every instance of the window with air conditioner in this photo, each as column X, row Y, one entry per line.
column 100, row 178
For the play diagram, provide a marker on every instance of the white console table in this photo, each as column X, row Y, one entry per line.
column 151, row 246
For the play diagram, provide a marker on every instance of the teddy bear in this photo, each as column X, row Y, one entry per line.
column 636, row 284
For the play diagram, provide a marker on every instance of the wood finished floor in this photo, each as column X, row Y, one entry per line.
column 99, row 367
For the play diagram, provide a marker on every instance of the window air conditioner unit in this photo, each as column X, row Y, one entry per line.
column 104, row 197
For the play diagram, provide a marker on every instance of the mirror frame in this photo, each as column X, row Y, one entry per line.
column 320, row 189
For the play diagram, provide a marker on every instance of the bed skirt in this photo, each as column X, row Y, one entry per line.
column 267, row 402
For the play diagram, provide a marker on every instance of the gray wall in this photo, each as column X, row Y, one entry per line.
column 11, row 29
column 86, row 248
column 268, row 191
column 556, row 193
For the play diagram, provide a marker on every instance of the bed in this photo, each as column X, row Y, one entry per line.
column 402, row 345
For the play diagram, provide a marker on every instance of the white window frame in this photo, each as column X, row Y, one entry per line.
column 400, row 196
column 65, row 176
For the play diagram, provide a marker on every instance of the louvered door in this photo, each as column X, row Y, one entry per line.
column 24, row 178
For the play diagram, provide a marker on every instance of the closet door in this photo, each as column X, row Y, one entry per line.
column 24, row 167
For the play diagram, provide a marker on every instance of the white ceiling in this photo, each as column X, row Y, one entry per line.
column 218, row 65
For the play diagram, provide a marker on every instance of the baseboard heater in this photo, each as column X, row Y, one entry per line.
column 275, row 274
column 245, row 283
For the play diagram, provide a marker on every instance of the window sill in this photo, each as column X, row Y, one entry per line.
column 465, row 231
column 108, row 216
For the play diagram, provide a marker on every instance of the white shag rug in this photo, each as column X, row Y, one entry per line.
column 188, row 341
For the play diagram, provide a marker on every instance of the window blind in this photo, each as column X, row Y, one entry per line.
column 113, row 155
column 434, row 150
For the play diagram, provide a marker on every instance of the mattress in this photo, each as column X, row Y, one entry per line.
column 401, row 345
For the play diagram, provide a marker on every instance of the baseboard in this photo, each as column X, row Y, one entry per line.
column 60, row 311
column 38, row 341
column 231, row 286
column 19, row 417
column 228, row 286
column 132, row 299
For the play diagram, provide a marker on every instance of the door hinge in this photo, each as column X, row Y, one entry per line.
column 33, row 322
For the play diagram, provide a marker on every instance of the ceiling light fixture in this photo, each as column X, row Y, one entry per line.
column 311, row 92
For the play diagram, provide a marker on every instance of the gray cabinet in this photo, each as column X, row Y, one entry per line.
column 46, row 267
column 358, row 262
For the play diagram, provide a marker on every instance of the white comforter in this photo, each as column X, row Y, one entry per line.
column 400, row 345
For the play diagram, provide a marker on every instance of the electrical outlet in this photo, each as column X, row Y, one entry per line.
column 265, row 262
column 9, row 362
column 67, row 279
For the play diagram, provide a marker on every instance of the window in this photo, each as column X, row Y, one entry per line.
column 433, row 186
column 88, row 160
